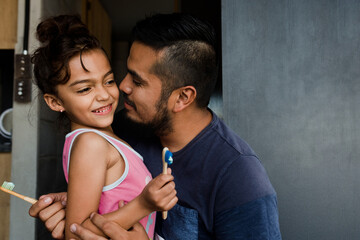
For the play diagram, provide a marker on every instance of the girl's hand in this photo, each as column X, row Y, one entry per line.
column 159, row 194
column 51, row 210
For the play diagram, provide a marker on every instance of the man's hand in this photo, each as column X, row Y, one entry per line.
column 111, row 229
column 51, row 210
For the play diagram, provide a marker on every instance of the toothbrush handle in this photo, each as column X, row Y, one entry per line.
column 25, row 198
column 165, row 166
column 30, row 200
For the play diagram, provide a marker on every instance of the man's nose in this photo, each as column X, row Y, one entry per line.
column 125, row 86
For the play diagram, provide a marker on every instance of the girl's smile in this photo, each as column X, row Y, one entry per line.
column 103, row 110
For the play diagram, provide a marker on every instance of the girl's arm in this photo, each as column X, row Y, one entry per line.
column 87, row 172
column 158, row 195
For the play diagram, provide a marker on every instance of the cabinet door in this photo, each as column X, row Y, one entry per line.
column 98, row 22
column 8, row 23
column 5, row 170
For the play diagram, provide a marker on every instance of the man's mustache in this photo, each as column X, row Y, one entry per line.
column 128, row 101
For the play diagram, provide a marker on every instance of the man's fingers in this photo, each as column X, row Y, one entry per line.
column 58, row 232
column 50, row 211
column 57, row 197
column 45, row 201
column 111, row 229
column 40, row 205
column 83, row 233
column 137, row 232
column 52, row 221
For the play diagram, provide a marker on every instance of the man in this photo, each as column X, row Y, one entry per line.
column 223, row 190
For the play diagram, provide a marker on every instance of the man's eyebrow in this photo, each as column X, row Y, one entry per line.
column 88, row 80
column 135, row 74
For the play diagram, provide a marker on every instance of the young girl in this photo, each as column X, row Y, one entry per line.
column 74, row 74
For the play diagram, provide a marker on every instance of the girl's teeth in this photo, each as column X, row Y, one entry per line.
column 101, row 111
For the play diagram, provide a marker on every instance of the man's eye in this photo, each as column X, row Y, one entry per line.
column 137, row 83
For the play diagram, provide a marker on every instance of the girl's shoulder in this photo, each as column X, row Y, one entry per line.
column 91, row 142
column 92, row 149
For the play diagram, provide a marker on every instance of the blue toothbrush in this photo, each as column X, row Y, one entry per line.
column 167, row 159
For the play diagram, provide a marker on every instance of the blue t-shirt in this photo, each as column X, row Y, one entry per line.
column 223, row 190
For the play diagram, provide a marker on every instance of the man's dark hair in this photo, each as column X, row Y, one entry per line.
column 189, row 56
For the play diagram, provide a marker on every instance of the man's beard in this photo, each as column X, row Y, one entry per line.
column 160, row 125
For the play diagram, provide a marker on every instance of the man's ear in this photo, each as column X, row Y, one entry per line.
column 184, row 97
column 53, row 102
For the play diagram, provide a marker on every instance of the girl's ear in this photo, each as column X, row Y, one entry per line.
column 184, row 97
column 53, row 102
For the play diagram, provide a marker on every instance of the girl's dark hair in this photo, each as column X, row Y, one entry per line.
column 61, row 38
column 189, row 52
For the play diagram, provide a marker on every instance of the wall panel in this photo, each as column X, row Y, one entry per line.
column 291, row 89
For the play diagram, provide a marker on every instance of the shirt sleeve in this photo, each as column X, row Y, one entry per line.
column 246, row 202
column 255, row 220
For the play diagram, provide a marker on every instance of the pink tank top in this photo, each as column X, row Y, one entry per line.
column 127, row 187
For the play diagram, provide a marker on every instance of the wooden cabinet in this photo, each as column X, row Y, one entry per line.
column 5, row 174
column 98, row 22
column 8, row 23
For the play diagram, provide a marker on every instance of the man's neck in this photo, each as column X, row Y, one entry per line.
column 186, row 126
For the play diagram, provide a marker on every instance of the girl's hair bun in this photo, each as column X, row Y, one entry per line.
column 62, row 26
column 61, row 37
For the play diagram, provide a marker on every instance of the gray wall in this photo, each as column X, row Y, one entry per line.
column 24, row 142
column 36, row 144
column 291, row 89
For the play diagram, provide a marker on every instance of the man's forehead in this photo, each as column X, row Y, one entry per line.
column 142, row 58
column 141, row 49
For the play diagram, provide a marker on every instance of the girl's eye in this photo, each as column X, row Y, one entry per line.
column 110, row 82
column 84, row 90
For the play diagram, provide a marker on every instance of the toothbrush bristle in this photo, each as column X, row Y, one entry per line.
column 168, row 157
column 8, row 185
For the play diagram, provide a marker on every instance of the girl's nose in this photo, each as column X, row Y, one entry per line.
column 102, row 94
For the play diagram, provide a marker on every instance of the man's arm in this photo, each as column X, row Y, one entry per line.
column 111, row 229
column 246, row 203
column 50, row 208
column 257, row 219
